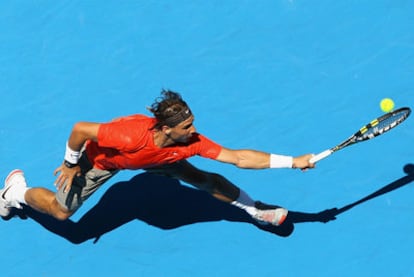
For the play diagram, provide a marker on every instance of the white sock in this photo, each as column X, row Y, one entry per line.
column 245, row 202
column 20, row 195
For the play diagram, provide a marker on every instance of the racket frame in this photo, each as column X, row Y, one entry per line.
column 360, row 135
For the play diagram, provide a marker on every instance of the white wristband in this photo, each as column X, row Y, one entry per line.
column 280, row 161
column 71, row 155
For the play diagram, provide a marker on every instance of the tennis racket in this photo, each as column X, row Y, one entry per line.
column 375, row 128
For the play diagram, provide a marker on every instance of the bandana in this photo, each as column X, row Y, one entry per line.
column 178, row 118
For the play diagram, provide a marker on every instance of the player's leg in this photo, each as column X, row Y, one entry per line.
column 222, row 189
column 16, row 192
column 60, row 205
column 212, row 183
column 44, row 201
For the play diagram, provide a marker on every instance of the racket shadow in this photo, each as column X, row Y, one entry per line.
column 331, row 214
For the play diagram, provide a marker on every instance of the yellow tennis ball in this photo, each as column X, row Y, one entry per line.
column 387, row 105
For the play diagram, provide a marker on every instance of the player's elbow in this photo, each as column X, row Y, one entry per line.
column 85, row 130
column 243, row 163
column 78, row 128
column 238, row 158
column 246, row 163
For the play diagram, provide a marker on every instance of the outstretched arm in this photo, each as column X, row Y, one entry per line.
column 259, row 160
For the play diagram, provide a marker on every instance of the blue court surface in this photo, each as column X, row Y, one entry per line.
column 284, row 76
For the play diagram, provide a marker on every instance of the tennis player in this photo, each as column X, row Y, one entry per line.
column 161, row 144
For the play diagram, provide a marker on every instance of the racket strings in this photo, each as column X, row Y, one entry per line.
column 382, row 124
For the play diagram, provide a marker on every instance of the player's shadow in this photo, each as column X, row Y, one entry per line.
column 165, row 203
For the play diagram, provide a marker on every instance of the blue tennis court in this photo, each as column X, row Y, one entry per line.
column 287, row 76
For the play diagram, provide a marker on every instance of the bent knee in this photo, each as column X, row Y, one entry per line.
column 59, row 212
column 59, row 215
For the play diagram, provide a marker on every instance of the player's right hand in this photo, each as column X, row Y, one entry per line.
column 303, row 162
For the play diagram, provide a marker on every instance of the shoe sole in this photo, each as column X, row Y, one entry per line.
column 4, row 212
column 263, row 206
column 278, row 223
column 282, row 219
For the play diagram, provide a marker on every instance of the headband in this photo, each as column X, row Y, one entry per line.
column 178, row 118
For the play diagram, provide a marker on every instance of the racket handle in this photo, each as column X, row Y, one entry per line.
column 321, row 156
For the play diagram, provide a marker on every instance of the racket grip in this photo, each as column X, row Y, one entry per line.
column 321, row 156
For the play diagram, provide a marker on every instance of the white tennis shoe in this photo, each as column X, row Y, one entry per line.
column 15, row 179
column 267, row 214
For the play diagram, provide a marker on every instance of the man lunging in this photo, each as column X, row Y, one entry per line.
column 160, row 144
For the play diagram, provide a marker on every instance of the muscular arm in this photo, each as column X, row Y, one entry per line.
column 254, row 159
column 245, row 158
column 81, row 132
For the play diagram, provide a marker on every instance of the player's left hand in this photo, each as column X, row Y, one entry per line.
column 66, row 176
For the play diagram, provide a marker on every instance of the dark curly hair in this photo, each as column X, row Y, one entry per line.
column 169, row 109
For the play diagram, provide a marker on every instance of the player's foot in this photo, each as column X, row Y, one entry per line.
column 4, row 209
column 267, row 214
column 14, row 180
